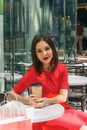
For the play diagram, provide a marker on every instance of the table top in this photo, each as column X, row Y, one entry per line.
column 81, row 58
column 46, row 113
column 77, row 80
column 75, row 65
column 85, row 64
column 8, row 76
column 24, row 63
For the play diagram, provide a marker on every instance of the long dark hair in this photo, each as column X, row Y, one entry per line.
column 36, row 61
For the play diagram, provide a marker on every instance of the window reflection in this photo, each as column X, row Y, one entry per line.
column 25, row 18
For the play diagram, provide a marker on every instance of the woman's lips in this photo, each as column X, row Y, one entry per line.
column 45, row 58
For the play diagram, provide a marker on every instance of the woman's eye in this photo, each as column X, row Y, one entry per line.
column 39, row 51
column 47, row 48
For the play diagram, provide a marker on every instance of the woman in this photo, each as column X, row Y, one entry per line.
column 54, row 79
column 79, row 37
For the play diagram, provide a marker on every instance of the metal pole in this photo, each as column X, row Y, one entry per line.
column 12, row 42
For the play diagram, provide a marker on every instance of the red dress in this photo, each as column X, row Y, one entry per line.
column 52, row 82
column 71, row 120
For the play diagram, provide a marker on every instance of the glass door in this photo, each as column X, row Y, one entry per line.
column 14, row 39
column 25, row 18
column 1, row 48
column 70, row 30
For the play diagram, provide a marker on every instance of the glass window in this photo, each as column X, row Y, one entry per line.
column 25, row 18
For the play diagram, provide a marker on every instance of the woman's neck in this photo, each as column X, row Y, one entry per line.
column 47, row 67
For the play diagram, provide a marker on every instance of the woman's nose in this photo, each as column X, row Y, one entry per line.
column 44, row 52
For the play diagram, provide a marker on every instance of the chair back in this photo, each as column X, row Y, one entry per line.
column 2, row 96
column 75, row 68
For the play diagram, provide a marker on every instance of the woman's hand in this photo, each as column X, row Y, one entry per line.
column 40, row 102
column 32, row 98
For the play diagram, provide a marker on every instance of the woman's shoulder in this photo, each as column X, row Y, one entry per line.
column 31, row 68
column 60, row 64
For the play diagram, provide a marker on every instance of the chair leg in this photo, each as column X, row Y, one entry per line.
column 83, row 104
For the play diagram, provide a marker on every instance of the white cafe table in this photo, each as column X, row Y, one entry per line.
column 77, row 80
column 44, row 114
column 85, row 64
column 9, row 77
column 25, row 64
column 81, row 58
column 75, row 65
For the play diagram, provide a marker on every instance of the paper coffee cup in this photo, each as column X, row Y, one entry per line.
column 37, row 90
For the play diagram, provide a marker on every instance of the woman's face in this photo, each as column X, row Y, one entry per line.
column 44, row 52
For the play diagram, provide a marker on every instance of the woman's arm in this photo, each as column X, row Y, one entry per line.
column 12, row 95
column 39, row 102
column 61, row 97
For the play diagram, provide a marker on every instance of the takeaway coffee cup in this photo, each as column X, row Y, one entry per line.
column 37, row 90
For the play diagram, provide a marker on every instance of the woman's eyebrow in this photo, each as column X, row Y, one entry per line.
column 38, row 49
